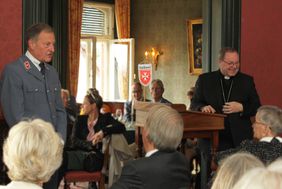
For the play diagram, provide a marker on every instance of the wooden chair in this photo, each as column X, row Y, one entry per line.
column 114, row 106
column 179, row 107
column 84, row 176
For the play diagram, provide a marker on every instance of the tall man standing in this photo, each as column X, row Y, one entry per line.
column 30, row 88
column 230, row 92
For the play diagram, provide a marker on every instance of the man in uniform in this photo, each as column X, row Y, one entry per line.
column 30, row 87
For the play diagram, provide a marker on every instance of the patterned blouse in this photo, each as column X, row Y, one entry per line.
column 266, row 151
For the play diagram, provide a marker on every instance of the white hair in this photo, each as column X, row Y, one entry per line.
column 32, row 151
column 164, row 126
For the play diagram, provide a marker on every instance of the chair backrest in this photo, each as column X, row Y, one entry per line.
column 179, row 107
column 84, row 176
column 114, row 106
column 106, row 108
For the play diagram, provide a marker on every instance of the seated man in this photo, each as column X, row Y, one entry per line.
column 162, row 167
column 157, row 90
column 136, row 95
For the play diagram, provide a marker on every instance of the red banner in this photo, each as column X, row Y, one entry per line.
column 145, row 74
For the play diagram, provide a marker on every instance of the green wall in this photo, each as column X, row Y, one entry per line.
column 162, row 24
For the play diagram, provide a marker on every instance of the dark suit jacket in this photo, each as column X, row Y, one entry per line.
column 25, row 93
column 162, row 170
column 105, row 122
column 79, row 152
column 208, row 92
column 163, row 100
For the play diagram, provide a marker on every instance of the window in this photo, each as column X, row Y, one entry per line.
column 105, row 64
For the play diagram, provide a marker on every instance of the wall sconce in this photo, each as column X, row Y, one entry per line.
column 152, row 57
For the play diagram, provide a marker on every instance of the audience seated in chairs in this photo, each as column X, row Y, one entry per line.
column 232, row 168
column 32, row 153
column 262, row 177
column 267, row 145
column 88, row 132
column 163, row 167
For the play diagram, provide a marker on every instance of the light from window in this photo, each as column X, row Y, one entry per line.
column 93, row 21
column 105, row 64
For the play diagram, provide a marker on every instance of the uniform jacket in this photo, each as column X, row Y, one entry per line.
column 208, row 92
column 162, row 170
column 25, row 93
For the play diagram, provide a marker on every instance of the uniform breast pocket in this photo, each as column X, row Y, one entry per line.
column 35, row 94
column 54, row 90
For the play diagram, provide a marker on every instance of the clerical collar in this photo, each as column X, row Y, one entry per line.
column 225, row 77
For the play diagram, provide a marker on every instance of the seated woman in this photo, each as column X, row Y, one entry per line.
column 29, row 160
column 88, row 132
column 267, row 145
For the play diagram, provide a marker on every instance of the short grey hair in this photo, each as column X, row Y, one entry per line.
column 159, row 82
column 33, row 151
column 34, row 30
column 165, row 127
column 272, row 117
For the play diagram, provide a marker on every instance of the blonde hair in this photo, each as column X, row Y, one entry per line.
column 232, row 168
column 260, row 178
column 276, row 165
column 32, row 151
column 164, row 126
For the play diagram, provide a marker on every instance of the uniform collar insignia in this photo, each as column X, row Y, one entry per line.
column 27, row 65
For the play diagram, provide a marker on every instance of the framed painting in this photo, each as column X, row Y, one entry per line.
column 195, row 30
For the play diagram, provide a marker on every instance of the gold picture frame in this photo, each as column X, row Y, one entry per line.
column 194, row 28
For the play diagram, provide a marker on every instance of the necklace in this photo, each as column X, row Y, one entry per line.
column 229, row 91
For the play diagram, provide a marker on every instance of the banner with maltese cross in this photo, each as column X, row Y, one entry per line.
column 145, row 74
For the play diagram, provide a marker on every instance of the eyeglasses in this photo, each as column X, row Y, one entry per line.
column 231, row 63
column 260, row 123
